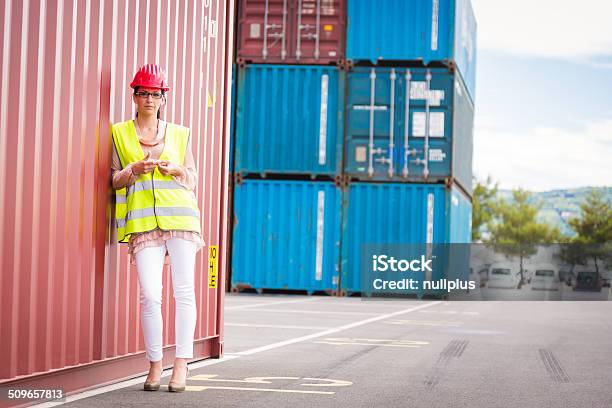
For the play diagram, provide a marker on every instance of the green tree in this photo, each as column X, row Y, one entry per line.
column 594, row 228
column 515, row 230
column 483, row 200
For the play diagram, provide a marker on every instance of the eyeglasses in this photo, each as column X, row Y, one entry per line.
column 145, row 94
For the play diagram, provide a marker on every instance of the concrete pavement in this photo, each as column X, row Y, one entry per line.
column 303, row 351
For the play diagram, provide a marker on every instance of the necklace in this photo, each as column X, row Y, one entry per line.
column 150, row 143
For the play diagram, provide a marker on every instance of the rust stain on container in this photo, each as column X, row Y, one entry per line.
column 291, row 31
column 68, row 294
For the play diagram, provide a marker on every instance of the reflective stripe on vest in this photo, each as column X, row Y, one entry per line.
column 154, row 200
column 157, row 211
column 148, row 185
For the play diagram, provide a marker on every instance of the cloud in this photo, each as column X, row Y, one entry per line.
column 544, row 158
column 545, row 28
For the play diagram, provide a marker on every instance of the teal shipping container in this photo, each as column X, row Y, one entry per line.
column 415, row 30
column 408, row 124
column 397, row 213
column 286, row 235
column 289, row 120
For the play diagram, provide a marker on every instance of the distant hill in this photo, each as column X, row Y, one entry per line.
column 558, row 206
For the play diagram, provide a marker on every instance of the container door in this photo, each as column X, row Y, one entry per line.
column 372, row 111
column 319, row 30
column 263, row 30
column 424, row 142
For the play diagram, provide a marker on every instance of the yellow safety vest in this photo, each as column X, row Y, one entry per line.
column 154, row 200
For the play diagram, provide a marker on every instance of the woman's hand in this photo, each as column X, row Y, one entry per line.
column 146, row 165
column 168, row 168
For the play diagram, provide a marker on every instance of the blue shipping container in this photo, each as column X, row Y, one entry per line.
column 232, row 118
column 398, row 213
column 427, row 30
column 388, row 113
column 286, row 235
column 289, row 119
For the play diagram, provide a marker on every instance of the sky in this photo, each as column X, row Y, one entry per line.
column 543, row 117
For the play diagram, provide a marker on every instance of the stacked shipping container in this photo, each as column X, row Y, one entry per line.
column 395, row 109
column 289, row 130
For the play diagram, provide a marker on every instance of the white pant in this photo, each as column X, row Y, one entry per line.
column 150, row 265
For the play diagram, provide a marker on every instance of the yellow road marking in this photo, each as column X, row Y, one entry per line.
column 251, row 380
column 207, row 387
column 263, row 380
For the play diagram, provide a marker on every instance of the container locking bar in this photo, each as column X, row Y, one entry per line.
column 371, row 139
column 407, row 151
column 391, row 124
column 425, row 160
column 276, row 36
column 310, row 36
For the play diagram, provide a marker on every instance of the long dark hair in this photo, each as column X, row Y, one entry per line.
column 159, row 110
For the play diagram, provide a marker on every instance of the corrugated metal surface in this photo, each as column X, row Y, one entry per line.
column 233, row 117
column 286, row 235
column 68, row 295
column 291, row 31
column 460, row 217
column 427, row 30
column 463, row 136
column 394, row 213
column 388, row 107
column 289, row 119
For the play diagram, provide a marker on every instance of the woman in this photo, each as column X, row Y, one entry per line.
column 157, row 214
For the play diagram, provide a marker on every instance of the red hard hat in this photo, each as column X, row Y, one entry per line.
column 150, row 76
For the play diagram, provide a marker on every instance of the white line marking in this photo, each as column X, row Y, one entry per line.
column 270, row 303
column 367, row 344
column 423, row 323
column 325, row 312
column 335, row 330
column 277, row 326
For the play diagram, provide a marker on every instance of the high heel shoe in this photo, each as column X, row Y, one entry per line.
column 176, row 386
column 152, row 385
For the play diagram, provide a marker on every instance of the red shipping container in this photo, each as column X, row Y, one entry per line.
column 291, row 31
column 70, row 314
